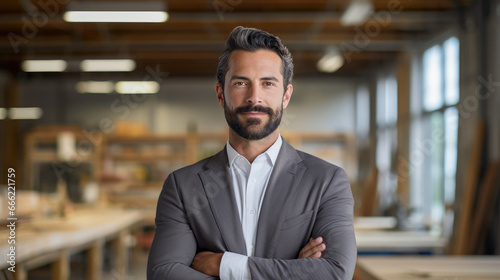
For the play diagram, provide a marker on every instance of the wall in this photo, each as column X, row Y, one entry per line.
column 318, row 104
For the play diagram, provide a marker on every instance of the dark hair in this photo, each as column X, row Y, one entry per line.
column 251, row 39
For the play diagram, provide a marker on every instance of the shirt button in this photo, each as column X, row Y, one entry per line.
column 254, row 180
column 252, row 211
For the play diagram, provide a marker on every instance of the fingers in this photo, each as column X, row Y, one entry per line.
column 313, row 248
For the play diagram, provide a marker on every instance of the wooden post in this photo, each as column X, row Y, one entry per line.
column 121, row 253
column 485, row 208
column 60, row 268
column 370, row 196
column 95, row 260
column 10, row 136
column 464, row 220
column 403, row 126
column 192, row 147
column 21, row 272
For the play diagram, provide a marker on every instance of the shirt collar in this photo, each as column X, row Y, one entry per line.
column 272, row 152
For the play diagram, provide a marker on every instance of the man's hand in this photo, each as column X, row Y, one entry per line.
column 313, row 248
column 207, row 262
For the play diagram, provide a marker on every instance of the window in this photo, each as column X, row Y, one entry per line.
column 433, row 144
column 387, row 116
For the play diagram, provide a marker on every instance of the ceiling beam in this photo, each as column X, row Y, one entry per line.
column 243, row 17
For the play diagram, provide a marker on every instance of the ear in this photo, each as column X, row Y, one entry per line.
column 220, row 94
column 287, row 95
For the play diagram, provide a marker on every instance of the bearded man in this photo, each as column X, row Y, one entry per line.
column 259, row 209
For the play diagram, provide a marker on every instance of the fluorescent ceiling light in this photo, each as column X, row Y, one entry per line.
column 44, row 65
column 95, row 87
column 137, row 87
column 88, row 11
column 331, row 61
column 357, row 12
column 3, row 113
column 107, row 65
column 25, row 113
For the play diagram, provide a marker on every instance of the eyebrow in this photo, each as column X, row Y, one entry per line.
column 247, row 79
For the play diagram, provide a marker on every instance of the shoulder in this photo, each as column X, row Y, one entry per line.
column 323, row 172
column 316, row 164
column 219, row 158
column 192, row 168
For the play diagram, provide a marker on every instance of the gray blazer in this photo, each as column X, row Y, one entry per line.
column 306, row 197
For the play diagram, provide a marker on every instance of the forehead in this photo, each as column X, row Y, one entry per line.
column 262, row 61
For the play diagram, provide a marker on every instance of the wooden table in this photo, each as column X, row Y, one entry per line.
column 429, row 268
column 43, row 241
column 384, row 241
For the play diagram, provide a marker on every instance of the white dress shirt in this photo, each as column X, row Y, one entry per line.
column 249, row 184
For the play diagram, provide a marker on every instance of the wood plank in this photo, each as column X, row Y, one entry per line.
column 370, row 194
column 485, row 207
column 462, row 230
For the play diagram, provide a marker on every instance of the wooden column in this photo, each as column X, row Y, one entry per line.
column 61, row 267
column 21, row 272
column 120, row 247
column 10, row 134
column 95, row 260
column 403, row 126
column 464, row 218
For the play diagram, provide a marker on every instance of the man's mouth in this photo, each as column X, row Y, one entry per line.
column 254, row 113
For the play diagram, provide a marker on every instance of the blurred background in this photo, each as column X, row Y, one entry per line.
column 101, row 100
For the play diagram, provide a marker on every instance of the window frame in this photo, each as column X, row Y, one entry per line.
column 421, row 191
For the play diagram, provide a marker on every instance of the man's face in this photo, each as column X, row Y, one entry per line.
column 253, row 97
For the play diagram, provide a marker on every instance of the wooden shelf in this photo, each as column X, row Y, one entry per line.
column 41, row 148
column 139, row 158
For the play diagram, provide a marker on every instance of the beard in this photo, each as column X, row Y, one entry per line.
column 253, row 129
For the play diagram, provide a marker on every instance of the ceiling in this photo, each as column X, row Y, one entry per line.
column 189, row 43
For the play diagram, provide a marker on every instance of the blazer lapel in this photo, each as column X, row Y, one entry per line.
column 283, row 182
column 218, row 187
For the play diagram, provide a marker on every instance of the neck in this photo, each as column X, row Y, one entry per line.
column 250, row 149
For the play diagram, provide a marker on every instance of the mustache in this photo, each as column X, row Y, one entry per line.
column 253, row 108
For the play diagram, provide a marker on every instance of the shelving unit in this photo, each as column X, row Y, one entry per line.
column 44, row 168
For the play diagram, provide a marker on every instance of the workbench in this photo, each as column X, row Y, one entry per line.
column 53, row 240
column 429, row 268
column 399, row 242
column 378, row 235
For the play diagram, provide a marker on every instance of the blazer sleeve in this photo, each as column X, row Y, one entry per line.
column 174, row 245
column 334, row 223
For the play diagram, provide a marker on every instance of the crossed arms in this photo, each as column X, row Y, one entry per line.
column 209, row 262
column 176, row 252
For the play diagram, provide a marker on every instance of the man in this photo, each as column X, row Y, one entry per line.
column 259, row 209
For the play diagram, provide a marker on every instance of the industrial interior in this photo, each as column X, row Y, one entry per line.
column 96, row 110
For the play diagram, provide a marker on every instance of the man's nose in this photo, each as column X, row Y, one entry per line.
column 254, row 95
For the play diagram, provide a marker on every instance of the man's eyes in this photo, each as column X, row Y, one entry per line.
column 266, row 83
